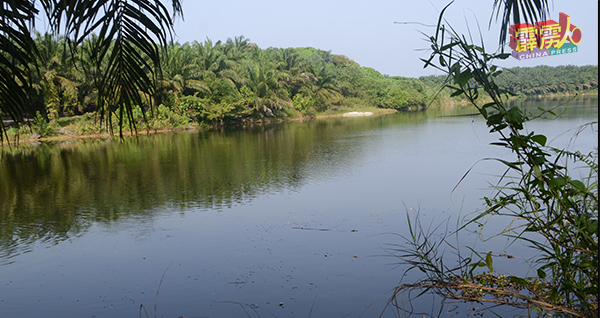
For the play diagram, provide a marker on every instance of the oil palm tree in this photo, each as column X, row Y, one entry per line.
column 130, row 34
column 293, row 69
column 210, row 59
column 518, row 11
column 181, row 71
column 324, row 85
column 90, row 74
column 57, row 85
column 237, row 48
column 265, row 91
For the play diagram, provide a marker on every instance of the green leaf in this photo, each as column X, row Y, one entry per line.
column 478, row 264
column 518, row 280
column 427, row 62
column 462, row 78
column 516, row 142
column 541, row 273
column 515, row 115
column 578, row 185
column 456, row 93
column 488, row 261
column 537, row 171
column 540, row 139
column 442, row 61
column 494, row 119
column 488, row 105
column 447, row 46
column 593, row 227
column 559, row 181
column 498, row 128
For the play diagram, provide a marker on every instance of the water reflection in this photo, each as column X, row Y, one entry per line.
column 56, row 191
column 153, row 193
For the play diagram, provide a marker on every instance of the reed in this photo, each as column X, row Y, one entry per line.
column 549, row 195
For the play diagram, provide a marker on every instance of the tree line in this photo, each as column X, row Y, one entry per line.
column 228, row 81
column 232, row 81
column 539, row 80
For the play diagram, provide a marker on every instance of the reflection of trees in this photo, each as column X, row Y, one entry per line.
column 53, row 192
column 580, row 104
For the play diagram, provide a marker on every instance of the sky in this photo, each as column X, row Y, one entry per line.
column 366, row 32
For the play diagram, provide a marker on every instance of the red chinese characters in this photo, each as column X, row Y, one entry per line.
column 544, row 34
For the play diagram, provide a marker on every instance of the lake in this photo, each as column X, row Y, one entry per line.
column 292, row 219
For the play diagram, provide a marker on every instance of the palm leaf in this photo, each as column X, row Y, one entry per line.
column 17, row 52
column 519, row 11
column 127, row 49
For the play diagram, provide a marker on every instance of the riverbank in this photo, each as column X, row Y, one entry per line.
column 75, row 128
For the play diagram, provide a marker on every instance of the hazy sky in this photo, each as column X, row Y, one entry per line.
column 365, row 31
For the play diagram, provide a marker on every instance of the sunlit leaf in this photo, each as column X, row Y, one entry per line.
column 488, row 261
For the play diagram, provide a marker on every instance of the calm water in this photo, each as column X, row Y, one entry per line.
column 293, row 213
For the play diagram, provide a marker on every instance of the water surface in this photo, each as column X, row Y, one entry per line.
column 299, row 213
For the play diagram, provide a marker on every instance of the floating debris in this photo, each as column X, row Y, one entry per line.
column 308, row 228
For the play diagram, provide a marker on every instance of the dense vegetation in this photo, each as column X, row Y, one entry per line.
column 540, row 80
column 216, row 83
column 547, row 196
column 225, row 82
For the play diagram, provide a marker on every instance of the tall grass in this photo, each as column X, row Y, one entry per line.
column 552, row 210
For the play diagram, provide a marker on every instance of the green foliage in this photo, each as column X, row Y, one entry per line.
column 400, row 97
column 125, row 53
column 88, row 124
column 542, row 79
column 42, row 127
column 556, row 212
column 235, row 81
column 538, row 80
column 304, row 102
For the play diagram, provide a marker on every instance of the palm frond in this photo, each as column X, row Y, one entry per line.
column 518, row 11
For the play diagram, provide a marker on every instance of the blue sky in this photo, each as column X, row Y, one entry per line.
column 365, row 31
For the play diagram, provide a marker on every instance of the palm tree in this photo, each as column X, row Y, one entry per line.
column 181, row 71
column 236, row 49
column 518, row 11
column 216, row 69
column 293, row 69
column 209, row 58
column 127, row 50
column 91, row 75
column 324, row 87
column 56, row 83
column 130, row 34
column 262, row 86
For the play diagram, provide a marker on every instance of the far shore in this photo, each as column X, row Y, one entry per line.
column 65, row 133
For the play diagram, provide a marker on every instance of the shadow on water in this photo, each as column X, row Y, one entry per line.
column 288, row 175
column 52, row 192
